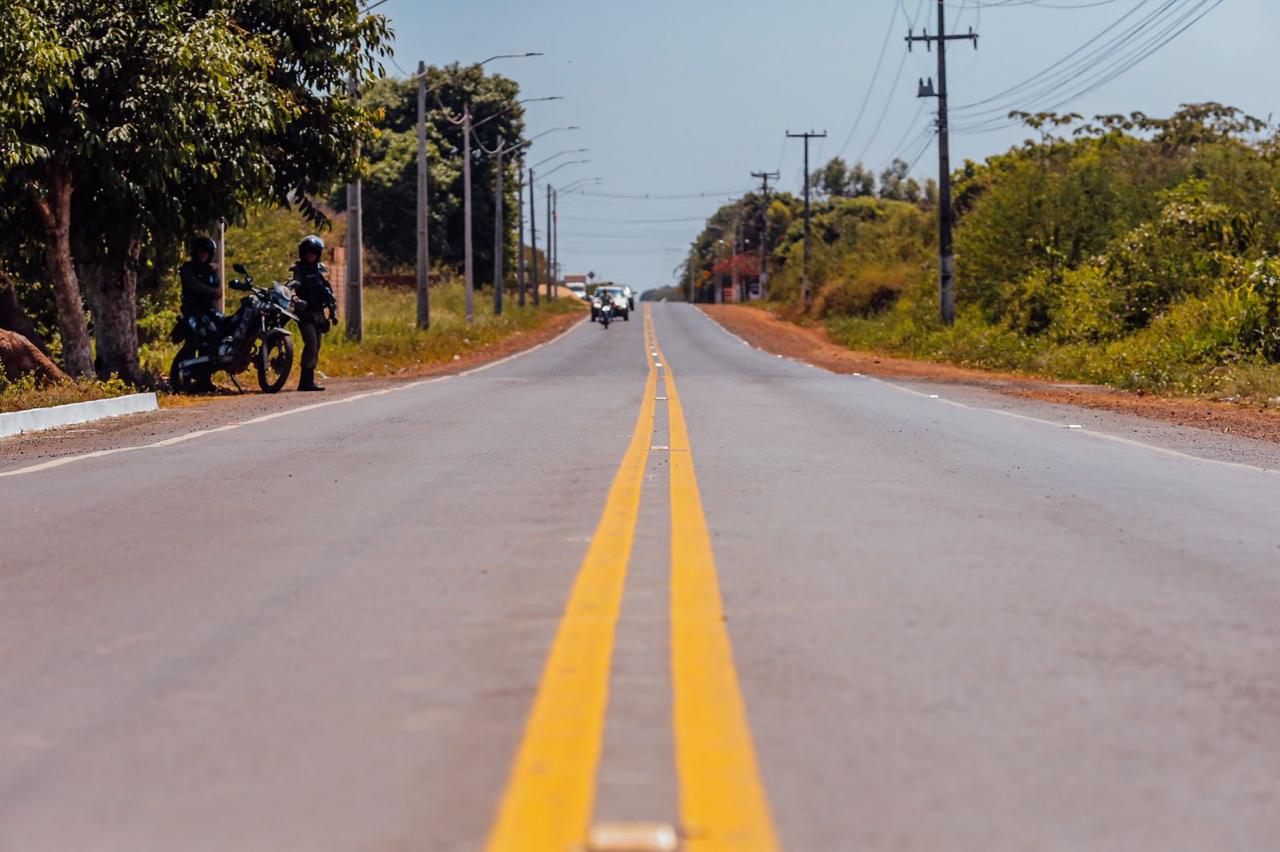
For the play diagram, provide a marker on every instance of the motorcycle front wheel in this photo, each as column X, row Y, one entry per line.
column 274, row 362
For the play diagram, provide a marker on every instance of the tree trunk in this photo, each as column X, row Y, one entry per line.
column 113, row 297
column 54, row 210
column 14, row 318
column 19, row 356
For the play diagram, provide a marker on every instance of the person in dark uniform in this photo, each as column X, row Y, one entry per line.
column 201, row 293
column 321, row 309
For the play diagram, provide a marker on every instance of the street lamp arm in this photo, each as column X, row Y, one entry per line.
column 578, row 184
column 562, row 165
column 510, row 107
column 546, row 160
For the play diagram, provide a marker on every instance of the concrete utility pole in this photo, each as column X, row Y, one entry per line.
column 718, row 296
column 355, row 254
column 498, row 238
column 520, row 233
column 533, row 238
column 550, row 254
column 555, row 242
column 946, row 256
column 736, row 286
column 804, row 287
column 424, row 251
column 764, row 177
column 469, row 271
column 222, row 266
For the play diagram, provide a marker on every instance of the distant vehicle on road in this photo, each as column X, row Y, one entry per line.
column 619, row 298
column 578, row 290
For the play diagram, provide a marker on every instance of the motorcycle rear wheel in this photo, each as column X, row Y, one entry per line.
column 274, row 362
column 179, row 381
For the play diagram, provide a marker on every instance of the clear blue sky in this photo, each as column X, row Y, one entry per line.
column 680, row 97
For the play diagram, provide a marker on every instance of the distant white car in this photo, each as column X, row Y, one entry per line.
column 631, row 297
column 620, row 300
column 578, row 290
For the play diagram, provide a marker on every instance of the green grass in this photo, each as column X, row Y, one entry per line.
column 26, row 393
column 392, row 342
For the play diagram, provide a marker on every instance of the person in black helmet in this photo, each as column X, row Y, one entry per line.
column 201, row 293
column 313, row 288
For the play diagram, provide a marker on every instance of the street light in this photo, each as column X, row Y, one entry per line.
column 533, row 236
column 498, row 232
column 467, row 128
column 424, row 252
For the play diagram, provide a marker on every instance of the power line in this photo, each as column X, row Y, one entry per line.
column 875, row 75
column 1094, row 69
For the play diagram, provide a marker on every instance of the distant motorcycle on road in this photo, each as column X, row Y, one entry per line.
column 605, row 313
column 254, row 335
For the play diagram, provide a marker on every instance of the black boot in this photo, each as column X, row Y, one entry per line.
column 308, row 381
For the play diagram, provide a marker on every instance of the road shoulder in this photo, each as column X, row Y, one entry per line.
column 192, row 414
column 1209, row 430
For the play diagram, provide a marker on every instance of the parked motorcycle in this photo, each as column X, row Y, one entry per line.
column 255, row 334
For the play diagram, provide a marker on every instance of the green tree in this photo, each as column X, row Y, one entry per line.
column 165, row 117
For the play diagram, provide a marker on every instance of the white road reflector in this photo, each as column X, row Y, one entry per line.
column 1074, row 426
column 657, row 447
column 933, row 396
column 632, row 837
column 660, row 398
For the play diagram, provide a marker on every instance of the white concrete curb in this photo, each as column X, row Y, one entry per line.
column 16, row 422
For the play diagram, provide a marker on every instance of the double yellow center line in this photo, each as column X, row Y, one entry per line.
column 550, row 794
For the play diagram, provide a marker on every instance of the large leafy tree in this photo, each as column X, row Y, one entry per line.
column 159, row 117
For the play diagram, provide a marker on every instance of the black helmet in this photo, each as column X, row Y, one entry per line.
column 311, row 243
column 200, row 244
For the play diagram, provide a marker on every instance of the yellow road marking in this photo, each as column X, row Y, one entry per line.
column 723, row 805
column 550, row 793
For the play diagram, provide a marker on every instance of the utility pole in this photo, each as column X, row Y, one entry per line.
column 424, row 255
column 498, row 238
column 718, row 296
column 550, row 252
column 222, row 266
column 533, row 238
column 355, row 253
column 804, row 287
column 764, row 177
column 555, row 243
column 946, row 255
column 470, row 280
column 736, row 286
column 520, row 233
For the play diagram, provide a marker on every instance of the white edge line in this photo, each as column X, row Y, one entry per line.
column 1093, row 433
column 190, row 436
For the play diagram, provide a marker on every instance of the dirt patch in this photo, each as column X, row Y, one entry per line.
column 182, row 414
column 813, row 346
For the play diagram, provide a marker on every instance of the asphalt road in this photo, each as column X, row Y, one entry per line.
column 494, row 610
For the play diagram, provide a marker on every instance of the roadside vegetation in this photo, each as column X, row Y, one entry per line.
column 237, row 112
column 29, row 392
column 1130, row 251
